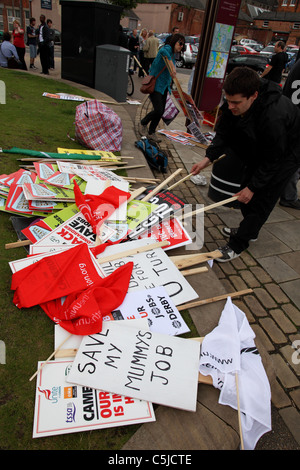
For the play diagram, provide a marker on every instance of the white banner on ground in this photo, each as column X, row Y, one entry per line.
column 139, row 363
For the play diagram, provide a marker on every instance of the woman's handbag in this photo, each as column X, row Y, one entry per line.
column 13, row 63
column 148, row 83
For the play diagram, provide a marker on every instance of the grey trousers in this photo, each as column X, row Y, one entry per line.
column 290, row 193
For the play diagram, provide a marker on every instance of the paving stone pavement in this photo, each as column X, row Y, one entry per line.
column 271, row 267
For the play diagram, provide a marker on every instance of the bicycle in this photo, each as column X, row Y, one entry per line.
column 130, row 85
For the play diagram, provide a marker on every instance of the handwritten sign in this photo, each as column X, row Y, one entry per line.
column 151, row 269
column 139, row 363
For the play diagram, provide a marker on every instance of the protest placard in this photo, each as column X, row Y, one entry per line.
column 64, row 408
column 171, row 230
column 42, row 227
column 75, row 230
column 139, row 363
column 167, row 204
column 156, row 306
column 151, row 269
column 102, row 154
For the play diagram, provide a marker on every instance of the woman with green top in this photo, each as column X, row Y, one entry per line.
column 163, row 83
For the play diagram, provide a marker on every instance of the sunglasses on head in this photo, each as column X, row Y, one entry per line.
column 181, row 43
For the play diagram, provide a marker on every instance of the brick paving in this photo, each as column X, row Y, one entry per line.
column 273, row 315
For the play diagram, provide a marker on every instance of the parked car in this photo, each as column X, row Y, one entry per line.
column 268, row 51
column 247, row 42
column 241, row 50
column 192, row 39
column 255, row 62
column 291, row 61
column 189, row 56
column 257, row 47
column 57, row 37
column 292, row 48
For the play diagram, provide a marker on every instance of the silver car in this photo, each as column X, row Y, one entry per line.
column 188, row 57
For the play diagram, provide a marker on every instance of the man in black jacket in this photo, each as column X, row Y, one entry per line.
column 43, row 43
column 277, row 63
column 261, row 126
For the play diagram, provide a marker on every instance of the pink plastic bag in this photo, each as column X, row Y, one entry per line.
column 98, row 127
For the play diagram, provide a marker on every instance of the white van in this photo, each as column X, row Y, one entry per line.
column 247, row 42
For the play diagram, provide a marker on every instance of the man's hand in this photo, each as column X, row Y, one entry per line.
column 245, row 195
column 197, row 167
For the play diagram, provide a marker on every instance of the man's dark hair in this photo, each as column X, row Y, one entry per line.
column 31, row 20
column 6, row 36
column 175, row 38
column 281, row 44
column 242, row 80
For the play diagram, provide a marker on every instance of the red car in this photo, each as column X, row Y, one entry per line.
column 241, row 50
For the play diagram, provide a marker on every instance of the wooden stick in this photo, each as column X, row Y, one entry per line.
column 133, row 251
column 18, row 244
column 239, row 409
column 145, row 73
column 136, row 193
column 160, row 186
column 182, row 261
column 197, row 303
column 191, row 174
column 50, row 357
column 180, row 181
column 207, row 208
column 189, row 272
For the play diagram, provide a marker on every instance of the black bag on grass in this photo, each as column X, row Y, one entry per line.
column 156, row 158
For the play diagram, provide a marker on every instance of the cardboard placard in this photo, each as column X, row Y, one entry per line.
column 139, row 363
column 64, row 408
column 156, row 306
column 151, row 269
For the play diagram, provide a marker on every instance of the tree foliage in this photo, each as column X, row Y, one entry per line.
column 127, row 4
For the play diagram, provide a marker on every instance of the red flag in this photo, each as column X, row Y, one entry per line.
column 96, row 209
column 54, row 276
column 82, row 313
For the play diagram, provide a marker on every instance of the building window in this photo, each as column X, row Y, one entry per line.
column 292, row 3
column 1, row 20
column 265, row 24
column 296, row 26
column 284, row 3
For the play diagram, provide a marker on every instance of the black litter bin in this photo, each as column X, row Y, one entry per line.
column 111, row 72
column 85, row 25
column 225, row 179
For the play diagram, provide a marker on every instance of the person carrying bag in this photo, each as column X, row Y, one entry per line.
column 162, row 79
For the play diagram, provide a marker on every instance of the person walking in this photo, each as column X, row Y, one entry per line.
column 133, row 46
column 142, row 39
column 261, row 127
column 32, row 41
column 43, row 43
column 150, row 49
column 51, row 44
column 162, row 85
column 277, row 64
